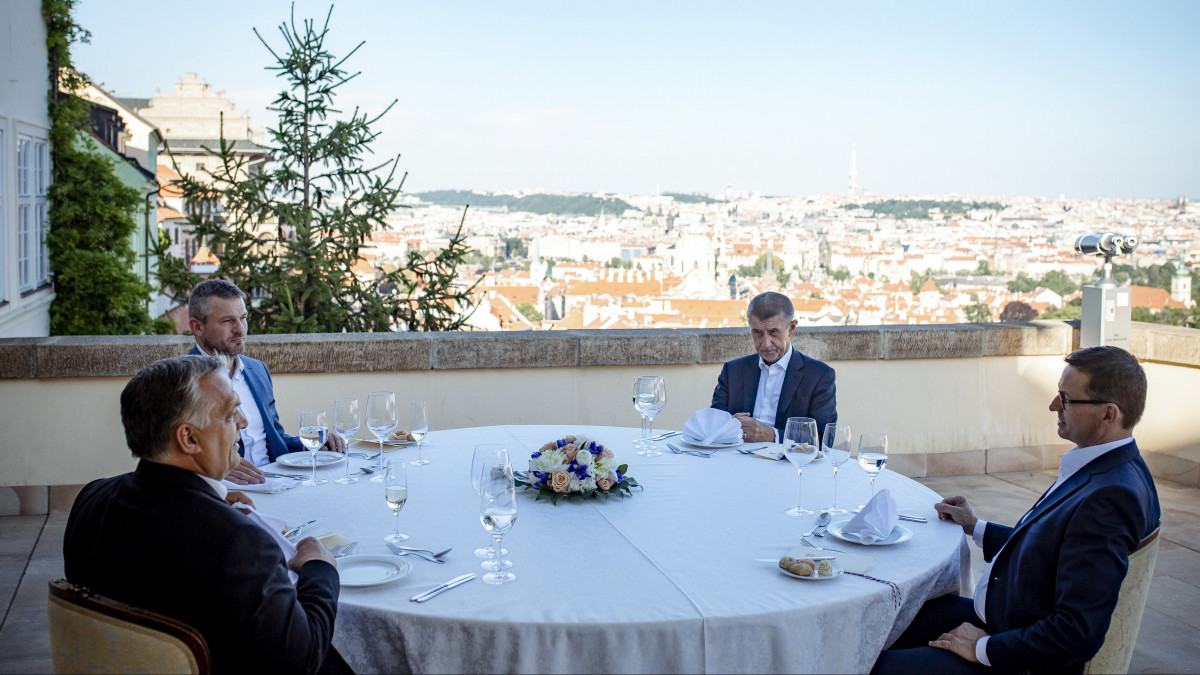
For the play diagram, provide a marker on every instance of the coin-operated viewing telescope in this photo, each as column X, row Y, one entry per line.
column 1106, row 306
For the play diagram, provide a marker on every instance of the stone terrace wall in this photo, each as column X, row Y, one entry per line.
column 964, row 398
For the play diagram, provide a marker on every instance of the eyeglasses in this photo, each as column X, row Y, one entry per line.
column 1062, row 398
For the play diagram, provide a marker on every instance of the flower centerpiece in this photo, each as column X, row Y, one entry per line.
column 576, row 468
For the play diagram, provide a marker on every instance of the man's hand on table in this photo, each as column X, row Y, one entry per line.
column 957, row 509
column 234, row 497
column 961, row 641
column 334, row 443
column 245, row 473
column 310, row 548
column 754, row 431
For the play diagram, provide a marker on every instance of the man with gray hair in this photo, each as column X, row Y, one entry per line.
column 763, row 390
column 163, row 537
column 218, row 319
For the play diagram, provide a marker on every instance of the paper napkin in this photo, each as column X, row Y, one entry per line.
column 274, row 527
column 270, row 486
column 849, row 561
column 876, row 520
column 713, row 426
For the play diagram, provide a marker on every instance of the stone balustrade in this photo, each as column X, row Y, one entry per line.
column 957, row 399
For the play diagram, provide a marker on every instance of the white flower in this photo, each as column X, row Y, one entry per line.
column 575, row 485
column 588, row 484
column 585, row 458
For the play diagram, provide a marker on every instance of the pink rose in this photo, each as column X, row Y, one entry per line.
column 570, row 450
column 604, row 483
column 607, row 454
column 549, row 446
column 569, row 439
column 559, row 481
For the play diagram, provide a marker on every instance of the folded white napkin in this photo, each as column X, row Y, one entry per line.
column 270, row 486
column 274, row 527
column 711, row 425
column 876, row 520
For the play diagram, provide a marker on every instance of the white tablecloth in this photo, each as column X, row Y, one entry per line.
column 665, row 581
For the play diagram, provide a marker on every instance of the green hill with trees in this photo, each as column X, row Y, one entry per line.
column 901, row 209
column 584, row 205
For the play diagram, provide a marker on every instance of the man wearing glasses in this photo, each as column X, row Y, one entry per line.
column 1045, row 601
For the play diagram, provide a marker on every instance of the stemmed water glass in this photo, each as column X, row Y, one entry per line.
column 489, row 459
column 650, row 397
column 837, row 444
column 800, row 447
column 641, row 441
column 346, row 423
column 419, row 419
column 381, row 420
column 873, row 456
column 498, row 513
column 312, row 435
column 395, row 492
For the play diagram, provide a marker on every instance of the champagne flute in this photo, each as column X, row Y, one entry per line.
column 800, row 447
column 498, row 513
column 346, row 423
column 419, row 419
column 872, row 455
column 650, row 394
column 312, row 435
column 488, row 458
column 837, row 443
column 395, row 492
column 381, row 420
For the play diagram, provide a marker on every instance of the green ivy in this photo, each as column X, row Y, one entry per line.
column 91, row 213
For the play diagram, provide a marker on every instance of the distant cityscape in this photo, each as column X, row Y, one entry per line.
column 677, row 260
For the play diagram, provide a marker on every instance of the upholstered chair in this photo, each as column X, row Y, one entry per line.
column 1117, row 650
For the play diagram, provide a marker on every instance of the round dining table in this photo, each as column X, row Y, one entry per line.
column 680, row 577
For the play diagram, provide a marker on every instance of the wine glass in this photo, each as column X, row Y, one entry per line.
column 837, row 444
column 395, row 492
column 488, row 458
column 346, row 423
column 498, row 513
column 419, row 419
column 641, row 441
column 872, row 455
column 800, row 447
column 312, row 435
column 650, row 396
column 381, row 420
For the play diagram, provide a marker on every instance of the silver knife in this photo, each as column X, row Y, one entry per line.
column 422, row 597
column 666, row 435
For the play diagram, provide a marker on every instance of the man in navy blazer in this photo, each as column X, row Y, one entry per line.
column 217, row 317
column 1046, row 599
column 763, row 390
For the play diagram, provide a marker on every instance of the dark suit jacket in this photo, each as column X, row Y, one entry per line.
column 259, row 381
column 1054, row 584
column 160, row 539
column 808, row 390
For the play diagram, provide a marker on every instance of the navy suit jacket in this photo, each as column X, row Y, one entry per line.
column 160, row 539
column 1055, row 582
column 808, row 390
column 259, row 381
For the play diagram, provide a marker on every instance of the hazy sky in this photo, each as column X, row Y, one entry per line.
column 1087, row 99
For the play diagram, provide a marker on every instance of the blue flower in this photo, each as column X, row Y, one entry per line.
column 560, row 442
column 535, row 455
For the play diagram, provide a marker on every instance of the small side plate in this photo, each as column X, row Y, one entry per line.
column 305, row 459
column 837, row 572
column 701, row 444
column 371, row 569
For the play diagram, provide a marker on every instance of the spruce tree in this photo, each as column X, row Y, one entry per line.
column 291, row 233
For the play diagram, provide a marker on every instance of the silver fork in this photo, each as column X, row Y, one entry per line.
column 809, row 544
column 342, row 550
column 399, row 551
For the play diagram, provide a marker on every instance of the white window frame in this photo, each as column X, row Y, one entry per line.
column 42, row 224
column 25, row 232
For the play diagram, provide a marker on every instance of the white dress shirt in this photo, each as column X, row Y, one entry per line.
column 770, row 384
column 254, row 436
column 1071, row 463
column 216, row 485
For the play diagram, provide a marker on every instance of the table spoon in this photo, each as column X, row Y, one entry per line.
column 821, row 524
